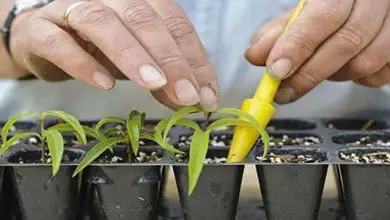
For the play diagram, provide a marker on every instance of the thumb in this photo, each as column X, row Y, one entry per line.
column 264, row 39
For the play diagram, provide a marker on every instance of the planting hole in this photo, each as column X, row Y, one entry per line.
column 356, row 124
column 379, row 140
column 366, row 156
column 19, row 127
column 290, row 124
column 292, row 156
column 34, row 157
column 146, row 154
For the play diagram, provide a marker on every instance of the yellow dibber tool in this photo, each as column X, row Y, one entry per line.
column 260, row 107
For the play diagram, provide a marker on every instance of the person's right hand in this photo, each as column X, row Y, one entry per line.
column 150, row 42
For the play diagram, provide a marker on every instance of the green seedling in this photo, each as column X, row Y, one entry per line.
column 51, row 137
column 200, row 140
column 130, row 137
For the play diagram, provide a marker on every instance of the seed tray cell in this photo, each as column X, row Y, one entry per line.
column 291, row 178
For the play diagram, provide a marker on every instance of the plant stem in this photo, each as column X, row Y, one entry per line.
column 367, row 125
column 43, row 157
column 129, row 152
column 207, row 121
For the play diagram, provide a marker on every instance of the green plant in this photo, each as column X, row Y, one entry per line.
column 130, row 137
column 200, row 139
column 51, row 137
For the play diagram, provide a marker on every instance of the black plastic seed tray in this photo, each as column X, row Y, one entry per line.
column 291, row 177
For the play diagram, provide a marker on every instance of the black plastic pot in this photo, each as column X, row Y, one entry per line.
column 38, row 195
column 292, row 191
column 217, row 192
column 366, row 186
column 123, row 190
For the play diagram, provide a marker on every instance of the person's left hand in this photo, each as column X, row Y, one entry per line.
column 334, row 40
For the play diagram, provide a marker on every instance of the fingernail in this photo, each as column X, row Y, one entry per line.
column 151, row 76
column 285, row 95
column 102, row 80
column 208, row 99
column 281, row 68
column 186, row 92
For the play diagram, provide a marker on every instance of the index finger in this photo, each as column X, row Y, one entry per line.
column 149, row 29
column 317, row 21
column 192, row 49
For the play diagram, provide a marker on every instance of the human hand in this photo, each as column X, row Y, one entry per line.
column 150, row 42
column 334, row 40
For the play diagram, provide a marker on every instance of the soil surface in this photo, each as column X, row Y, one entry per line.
column 357, row 124
column 69, row 141
column 286, row 156
column 144, row 156
column 293, row 140
column 224, row 140
column 210, row 159
column 366, row 156
column 34, row 157
column 370, row 141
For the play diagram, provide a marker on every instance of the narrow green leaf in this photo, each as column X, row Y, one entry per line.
column 6, row 145
column 63, row 128
column 96, row 151
column 109, row 120
column 159, row 128
column 198, row 151
column 165, row 146
column 266, row 142
column 134, row 127
column 93, row 133
column 55, row 143
column 70, row 120
column 178, row 115
column 188, row 123
column 7, row 126
column 170, row 148
column 238, row 112
column 148, row 136
column 227, row 122
column 243, row 115
column 111, row 131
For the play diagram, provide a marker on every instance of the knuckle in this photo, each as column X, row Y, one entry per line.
column 301, row 41
column 333, row 11
column 180, row 27
column 124, row 52
column 93, row 14
column 363, row 66
column 349, row 39
column 54, row 39
column 138, row 14
column 170, row 60
column 307, row 80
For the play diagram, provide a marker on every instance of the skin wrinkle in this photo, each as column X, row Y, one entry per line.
column 356, row 30
column 361, row 29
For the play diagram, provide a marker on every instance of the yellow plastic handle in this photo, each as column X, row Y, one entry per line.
column 268, row 85
column 260, row 107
